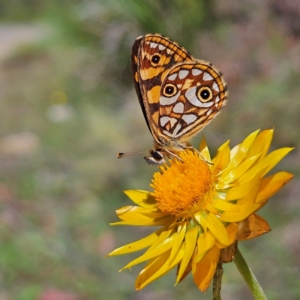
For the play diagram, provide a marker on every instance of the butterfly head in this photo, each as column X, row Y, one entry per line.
column 162, row 152
column 155, row 158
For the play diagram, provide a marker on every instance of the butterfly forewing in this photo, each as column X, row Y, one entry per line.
column 152, row 57
column 191, row 95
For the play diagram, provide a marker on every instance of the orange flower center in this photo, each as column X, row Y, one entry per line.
column 183, row 187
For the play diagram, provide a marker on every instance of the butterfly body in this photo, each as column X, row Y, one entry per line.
column 179, row 95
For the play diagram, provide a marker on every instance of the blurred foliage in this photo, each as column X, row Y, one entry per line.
column 68, row 106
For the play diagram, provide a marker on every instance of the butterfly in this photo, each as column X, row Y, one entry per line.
column 179, row 94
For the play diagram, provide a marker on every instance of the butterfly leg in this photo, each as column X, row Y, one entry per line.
column 172, row 154
column 194, row 149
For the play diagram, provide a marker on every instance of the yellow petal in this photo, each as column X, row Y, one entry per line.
column 266, row 164
column 228, row 177
column 222, row 157
column 252, row 227
column 204, row 242
column 244, row 212
column 199, row 217
column 204, row 149
column 239, row 152
column 150, row 222
column 187, row 270
column 153, row 270
column 163, row 234
column 250, row 198
column 165, row 246
column 261, row 144
column 156, row 269
column 217, row 228
column 273, row 158
column 225, row 206
column 240, row 190
column 232, row 230
column 128, row 212
column 272, row 184
column 137, row 245
column 178, row 241
column 138, row 216
column 190, row 244
column 246, row 204
column 204, row 270
column 141, row 198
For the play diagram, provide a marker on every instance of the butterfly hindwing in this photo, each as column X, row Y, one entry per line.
column 191, row 95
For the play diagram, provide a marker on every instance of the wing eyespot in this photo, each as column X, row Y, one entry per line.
column 155, row 59
column 205, row 94
column 170, row 90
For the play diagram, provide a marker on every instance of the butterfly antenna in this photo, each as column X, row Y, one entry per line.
column 121, row 155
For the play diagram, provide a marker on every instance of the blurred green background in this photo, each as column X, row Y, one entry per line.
column 68, row 106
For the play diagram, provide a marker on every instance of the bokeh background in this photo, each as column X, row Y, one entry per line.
column 67, row 106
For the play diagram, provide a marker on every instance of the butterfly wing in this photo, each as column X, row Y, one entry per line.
column 134, row 72
column 152, row 57
column 192, row 94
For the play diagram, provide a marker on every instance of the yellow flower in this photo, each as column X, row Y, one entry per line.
column 202, row 206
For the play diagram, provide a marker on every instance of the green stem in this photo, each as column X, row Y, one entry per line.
column 249, row 277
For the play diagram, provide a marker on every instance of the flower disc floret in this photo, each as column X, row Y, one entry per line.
column 184, row 186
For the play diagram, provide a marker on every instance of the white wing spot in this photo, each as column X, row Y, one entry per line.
column 207, row 77
column 161, row 47
column 165, row 119
column 183, row 73
column 216, row 87
column 189, row 118
column 168, row 101
column 192, row 98
column 178, row 108
column 178, row 127
column 196, row 72
column 153, row 45
column 167, row 133
column 173, row 76
column 217, row 99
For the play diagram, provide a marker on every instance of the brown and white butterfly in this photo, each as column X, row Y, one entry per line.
column 179, row 95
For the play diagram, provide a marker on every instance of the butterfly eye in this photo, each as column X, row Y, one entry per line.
column 155, row 59
column 204, row 94
column 170, row 90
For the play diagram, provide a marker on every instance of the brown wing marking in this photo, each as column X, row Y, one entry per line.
column 192, row 94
